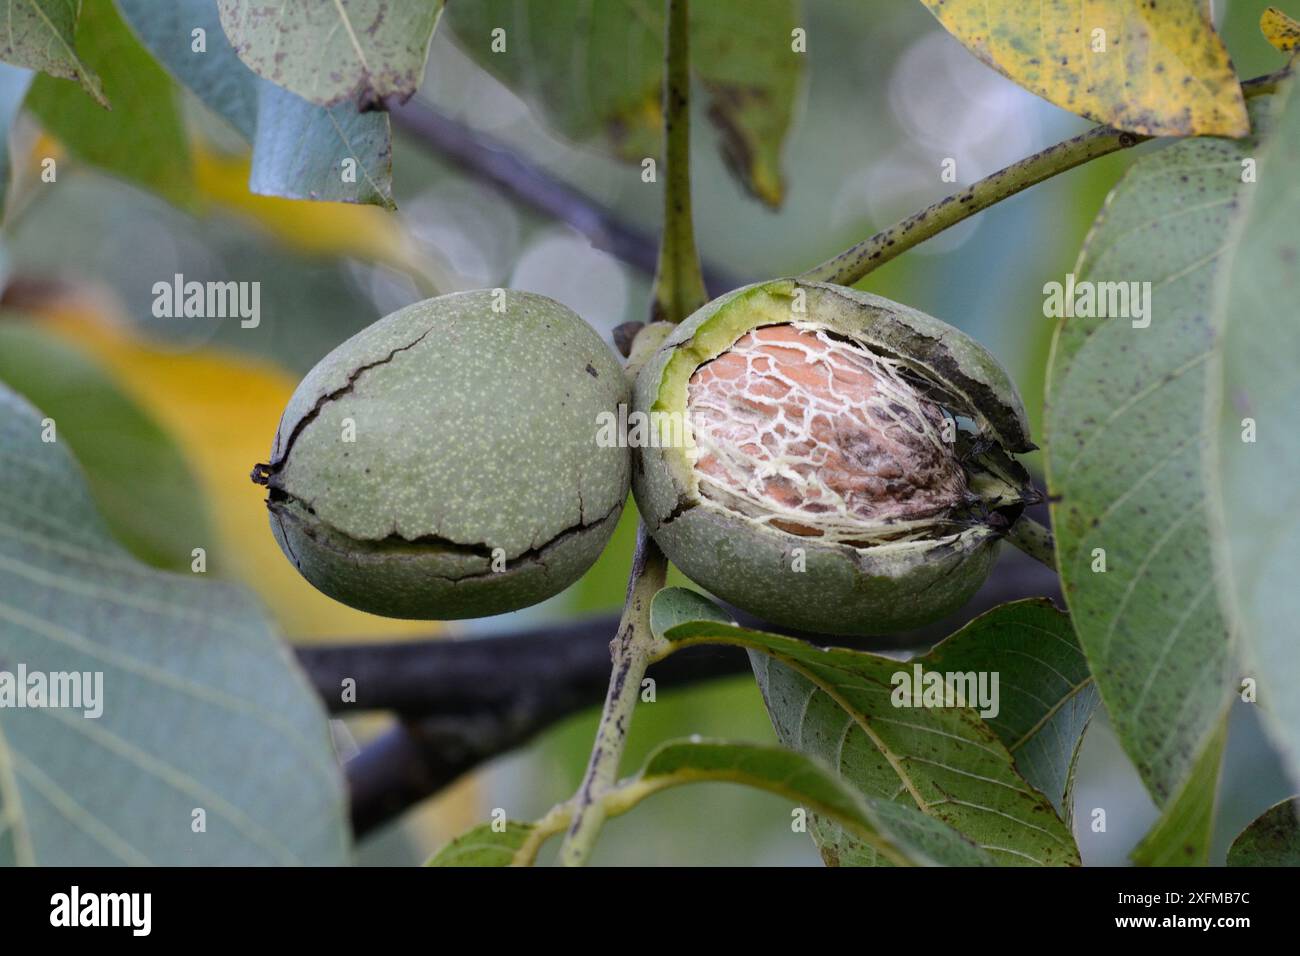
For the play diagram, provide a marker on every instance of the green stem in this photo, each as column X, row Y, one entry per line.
column 679, row 282
column 624, row 796
column 1035, row 540
column 1265, row 85
column 865, row 257
column 678, row 291
column 633, row 649
column 854, row 263
column 616, row 800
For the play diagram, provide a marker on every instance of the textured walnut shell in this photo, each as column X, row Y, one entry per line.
column 843, row 588
column 475, row 430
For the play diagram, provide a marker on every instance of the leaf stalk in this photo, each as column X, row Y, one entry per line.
column 679, row 282
column 633, row 649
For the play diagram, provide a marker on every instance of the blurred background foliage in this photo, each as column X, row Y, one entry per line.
column 169, row 416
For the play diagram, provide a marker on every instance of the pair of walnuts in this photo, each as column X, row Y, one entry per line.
column 820, row 457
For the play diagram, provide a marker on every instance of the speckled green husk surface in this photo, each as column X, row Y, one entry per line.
column 842, row 589
column 475, row 430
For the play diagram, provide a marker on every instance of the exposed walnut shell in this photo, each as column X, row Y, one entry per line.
column 815, row 434
column 848, row 465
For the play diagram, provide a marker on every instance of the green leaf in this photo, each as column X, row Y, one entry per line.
column 300, row 151
column 115, row 441
column 1125, row 439
column 1182, row 835
column 924, row 839
column 488, row 844
column 202, row 707
column 1273, row 839
column 1253, row 384
column 604, row 70
column 14, row 83
column 143, row 138
column 673, row 606
column 298, row 147
column 837, row 706
column 1155, row 69
column 40, row 35
column 898, row 831
column 216, row 75
column 1047, row 696
column 361, row 51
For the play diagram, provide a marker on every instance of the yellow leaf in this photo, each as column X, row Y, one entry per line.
column 222, row 409
column 1280, row 30
column 1155, row 69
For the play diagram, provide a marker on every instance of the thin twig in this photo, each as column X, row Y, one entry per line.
column 632, row 650
column 859, row 260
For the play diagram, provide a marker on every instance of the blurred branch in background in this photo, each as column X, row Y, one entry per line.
column 482, row 158
column 463, row 701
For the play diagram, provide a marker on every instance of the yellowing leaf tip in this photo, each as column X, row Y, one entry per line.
column 1279, row 29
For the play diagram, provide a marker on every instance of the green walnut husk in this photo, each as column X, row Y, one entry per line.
column 884, row 577
column 474, row 483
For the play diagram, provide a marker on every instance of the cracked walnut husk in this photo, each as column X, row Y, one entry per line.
column 443, row 462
